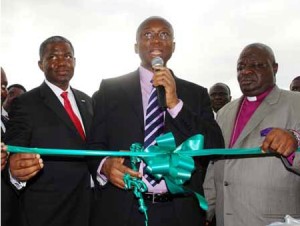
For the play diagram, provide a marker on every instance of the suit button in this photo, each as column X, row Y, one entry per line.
column 226, row 183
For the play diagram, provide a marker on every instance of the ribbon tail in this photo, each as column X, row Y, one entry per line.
column 177, row 189
column 202, row 201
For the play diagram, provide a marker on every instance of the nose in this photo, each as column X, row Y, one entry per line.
column 155, row 38
column 61, row 61
column 246, row 71
column 218, row 96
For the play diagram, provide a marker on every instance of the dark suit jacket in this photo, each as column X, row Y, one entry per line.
column 119, row 122
column 10, row 212
column 59, row 194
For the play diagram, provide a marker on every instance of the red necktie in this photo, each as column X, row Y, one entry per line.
column 72, row 115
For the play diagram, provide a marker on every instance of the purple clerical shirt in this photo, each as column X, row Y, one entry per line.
column 247, row 108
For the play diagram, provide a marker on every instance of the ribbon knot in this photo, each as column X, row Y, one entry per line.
column 174, row 166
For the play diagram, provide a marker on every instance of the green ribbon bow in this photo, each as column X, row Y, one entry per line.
column 175, row 167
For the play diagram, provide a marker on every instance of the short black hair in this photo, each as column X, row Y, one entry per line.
column 297, row 78
column 52, row 40
column 265, row 47
column 221, row 84
column 154, row 18
column 17, row 86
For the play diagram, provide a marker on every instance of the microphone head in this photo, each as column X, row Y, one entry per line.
column 157, row 61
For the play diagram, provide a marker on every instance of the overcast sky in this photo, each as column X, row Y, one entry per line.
column 209, row 36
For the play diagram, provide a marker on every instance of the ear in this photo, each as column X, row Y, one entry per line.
column 40, row 63
column 173, row 48
column 275, row 68
column 136, row 49
column 74, row 61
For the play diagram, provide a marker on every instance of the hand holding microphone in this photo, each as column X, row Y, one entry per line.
column 164, row 83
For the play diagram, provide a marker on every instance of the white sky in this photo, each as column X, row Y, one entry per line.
column 209, row 37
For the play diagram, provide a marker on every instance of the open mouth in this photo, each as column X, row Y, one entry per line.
column 155, row 52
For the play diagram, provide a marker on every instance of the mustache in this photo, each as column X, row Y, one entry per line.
column 248, row 78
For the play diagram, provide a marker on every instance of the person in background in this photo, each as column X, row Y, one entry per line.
column 14, row 91
column 295, row 84
column 54, row 190
column 10, row 212
column 258, row 189
column 123, row 116
column 219, row 95
column 4, row 118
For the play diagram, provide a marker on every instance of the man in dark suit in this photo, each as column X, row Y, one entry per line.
column 54, row 190
column 120, row 110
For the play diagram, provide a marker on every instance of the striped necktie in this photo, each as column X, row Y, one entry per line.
column 154, row 125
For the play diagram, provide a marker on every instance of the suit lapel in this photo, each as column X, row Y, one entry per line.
column 132, row 88
column 84, row 109
column 259, row 115
column 229, row 121
column 51, row 101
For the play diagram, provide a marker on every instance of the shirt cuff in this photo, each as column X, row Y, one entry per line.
column 101, row 178
column 18, row 184
column 296, row 135
column 175, row 110
column 291, row 157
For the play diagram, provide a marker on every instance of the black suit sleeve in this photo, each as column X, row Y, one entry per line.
column 19, row 125
column 196, row 117
column 98, row 129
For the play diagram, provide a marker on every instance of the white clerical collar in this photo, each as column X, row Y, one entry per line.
column 252, row 99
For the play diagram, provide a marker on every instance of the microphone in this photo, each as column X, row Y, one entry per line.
column 160, row 90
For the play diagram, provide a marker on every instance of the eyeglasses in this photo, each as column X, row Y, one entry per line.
column 162, row 35
column 254, row 66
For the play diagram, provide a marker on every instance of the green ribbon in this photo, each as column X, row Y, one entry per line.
column 137, row 184
column 166, row 161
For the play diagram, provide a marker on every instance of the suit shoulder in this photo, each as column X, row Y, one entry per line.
column 290, row 95
column 119, row 79
column 190, row 85
column 291, row 98
column 116, row 82
column 228, row 107
column 30, row 95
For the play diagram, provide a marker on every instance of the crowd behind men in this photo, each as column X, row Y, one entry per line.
column 62, row 190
